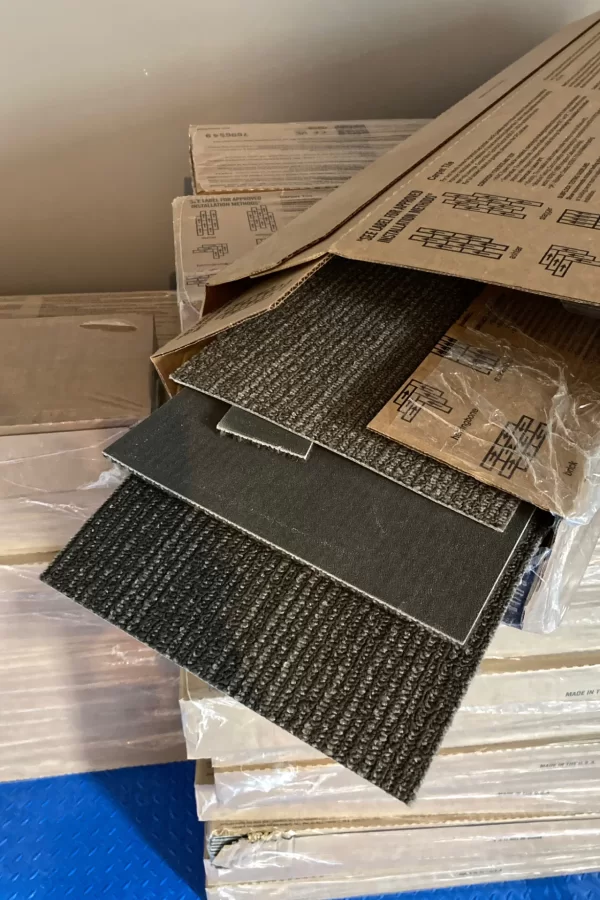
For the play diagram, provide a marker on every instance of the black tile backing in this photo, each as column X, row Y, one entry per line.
column 242, row 425
column 325, row 361
column 337, row 670
column 374, row 536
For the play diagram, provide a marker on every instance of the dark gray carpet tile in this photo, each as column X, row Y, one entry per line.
column 372, row 535
column 328, row 359
column 357, row 681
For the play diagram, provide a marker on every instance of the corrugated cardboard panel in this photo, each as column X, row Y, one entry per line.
column 162, row 305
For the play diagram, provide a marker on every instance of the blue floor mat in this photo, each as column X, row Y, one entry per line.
column 133, row 833
column 128, row 833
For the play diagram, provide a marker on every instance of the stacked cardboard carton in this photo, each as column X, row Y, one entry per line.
column 77, row 694
column 252, row 180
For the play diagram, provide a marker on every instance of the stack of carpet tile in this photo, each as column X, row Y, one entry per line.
column 363, row 722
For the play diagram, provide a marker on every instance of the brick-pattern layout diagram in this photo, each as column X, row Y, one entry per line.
column 580, row 218
column 260, row 219
column 415, row 395
column 558, row 259
column 517, row 444
column 477, row 358
column 207, row 223
column 459, row 242
column 491, row 204
column 218, row 251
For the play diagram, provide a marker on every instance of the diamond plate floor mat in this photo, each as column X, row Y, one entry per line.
column 337, row 670
column 133, row 833
column 127, row 834
column 372, row 535
column 325, row 361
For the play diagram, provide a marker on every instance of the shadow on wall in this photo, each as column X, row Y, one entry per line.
column 86, row 193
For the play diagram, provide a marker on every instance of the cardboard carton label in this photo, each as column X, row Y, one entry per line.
column 513, row 200
column 213, row 229
column 291, row 155
column 511, row 396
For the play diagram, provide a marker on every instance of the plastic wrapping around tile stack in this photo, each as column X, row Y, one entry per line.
column 50, row 484
column 76, row 694
column 322, row 867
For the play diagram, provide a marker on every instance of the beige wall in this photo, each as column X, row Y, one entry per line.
column 97, row 95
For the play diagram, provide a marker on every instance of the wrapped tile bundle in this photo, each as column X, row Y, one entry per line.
column 50, row 484
column 308, row 864
column 77, row 694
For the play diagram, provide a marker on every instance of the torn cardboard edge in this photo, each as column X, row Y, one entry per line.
column 239, row 424
column 510, row 396
column 359, row 199
column 258, row 298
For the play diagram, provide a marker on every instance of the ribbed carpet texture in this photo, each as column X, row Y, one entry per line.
column 353, row 678
column 325, row 361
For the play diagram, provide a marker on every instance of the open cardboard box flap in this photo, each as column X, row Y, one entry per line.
column 497, row 189
column 360, row 203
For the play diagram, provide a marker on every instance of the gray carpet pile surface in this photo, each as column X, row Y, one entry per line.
column 353, row 678
column 325, row 361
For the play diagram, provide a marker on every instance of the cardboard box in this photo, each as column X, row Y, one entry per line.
column 510, row 782
column 211, row 230
column 161, row 305
column 259, row 298
column 523, row 700
column 88, row 372
column 289, row 155
column 237, row 170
